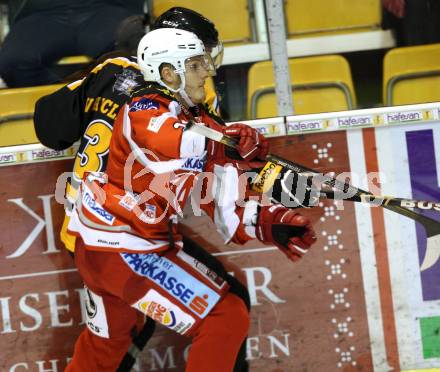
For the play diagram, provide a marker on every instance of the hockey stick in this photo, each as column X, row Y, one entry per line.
column 349, row 193
column 359, row 195
column 397, row 205
column 352, row 193
column 381, row 201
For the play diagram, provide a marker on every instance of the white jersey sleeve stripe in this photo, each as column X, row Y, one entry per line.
column 118, row 241
column 192, row 144
column 225, row 192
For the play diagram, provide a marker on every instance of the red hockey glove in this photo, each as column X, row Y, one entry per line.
column 291, row 232
column 251, row 143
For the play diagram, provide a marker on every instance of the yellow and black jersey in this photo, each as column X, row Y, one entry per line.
column 62, row 118
column 85, row 110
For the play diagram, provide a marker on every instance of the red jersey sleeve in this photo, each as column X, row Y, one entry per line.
column 153, row 127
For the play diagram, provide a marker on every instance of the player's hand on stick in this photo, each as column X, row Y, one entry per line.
column 291, row 232
column 251, row 144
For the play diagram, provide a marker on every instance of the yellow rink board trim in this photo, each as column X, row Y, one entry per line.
column 423, row 370
column 272, row 127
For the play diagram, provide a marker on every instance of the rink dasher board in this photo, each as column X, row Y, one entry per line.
column 391, row 128
column 270, row 127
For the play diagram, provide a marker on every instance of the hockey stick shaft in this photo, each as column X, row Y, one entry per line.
column 432, row 227
column 381, row 201
column 356, row 194
column 359, row 195
column 350, row 193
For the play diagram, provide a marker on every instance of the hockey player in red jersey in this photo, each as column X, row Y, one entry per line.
column 86, row 110
column 128, row 251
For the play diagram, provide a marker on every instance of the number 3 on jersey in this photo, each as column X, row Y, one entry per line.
column 92, row 154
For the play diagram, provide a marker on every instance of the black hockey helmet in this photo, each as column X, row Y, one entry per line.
column 189, row 20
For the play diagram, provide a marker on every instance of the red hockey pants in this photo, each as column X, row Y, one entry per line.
column 215, row 341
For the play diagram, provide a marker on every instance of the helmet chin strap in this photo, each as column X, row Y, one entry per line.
column 186, row 98
column 181, row 90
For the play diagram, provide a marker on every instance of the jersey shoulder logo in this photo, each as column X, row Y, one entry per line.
column 126, row 82
column 144, row 104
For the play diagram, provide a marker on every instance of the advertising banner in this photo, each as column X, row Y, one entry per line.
column 407, row 161
column 357, row 301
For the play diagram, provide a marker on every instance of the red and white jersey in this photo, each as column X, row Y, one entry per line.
column 154, row 166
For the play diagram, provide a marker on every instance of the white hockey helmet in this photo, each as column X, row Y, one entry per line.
column 167, row 45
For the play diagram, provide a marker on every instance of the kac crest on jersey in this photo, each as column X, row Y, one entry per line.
column 143, row 104
column 126, row 82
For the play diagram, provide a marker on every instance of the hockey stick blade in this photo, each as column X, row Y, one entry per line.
column 432, row 252
column 432, row 227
